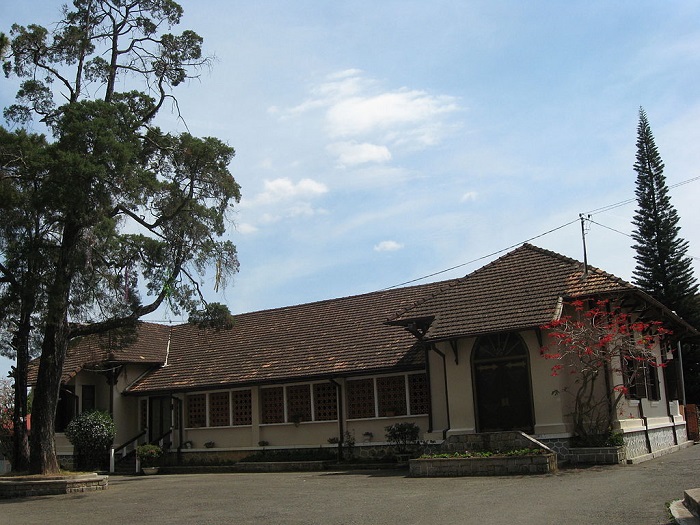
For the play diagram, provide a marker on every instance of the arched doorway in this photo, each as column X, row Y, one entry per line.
column 501, row 375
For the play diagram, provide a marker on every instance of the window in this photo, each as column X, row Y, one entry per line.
column 299, row 403
column 242, row 412
column 391, row 393
column 87, row 397
column 219, row 409
column 360, row 395
column 196, row 410
column 642, row 380
column 272, row 404
column 143, row 414
column 325, row 402
column 418, row 395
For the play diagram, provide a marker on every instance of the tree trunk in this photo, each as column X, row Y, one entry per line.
column 19, row 417
column 53, row 353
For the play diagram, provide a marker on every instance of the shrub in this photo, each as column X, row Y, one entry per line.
column 91, row 434
column 148, row 454
column 402, row 436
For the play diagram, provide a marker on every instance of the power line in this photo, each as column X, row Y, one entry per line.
column 482, row 257
column 592, row 212
column 630, row 201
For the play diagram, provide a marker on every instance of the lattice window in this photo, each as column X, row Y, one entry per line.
column 219, row 409
column 325, row 402
column 272, row 404
column 418, row 394
column 360, row 394
column 196, row 410
column 242, row 411
column 299, row 403
column 391, row 392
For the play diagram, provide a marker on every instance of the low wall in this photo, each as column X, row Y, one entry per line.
column 493, row 441
column 24, row 487
column 498, row 466
column 596, row 455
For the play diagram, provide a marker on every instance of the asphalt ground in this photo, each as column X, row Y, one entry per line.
column 605, row 495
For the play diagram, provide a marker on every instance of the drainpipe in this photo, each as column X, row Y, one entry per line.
column 341, row 429
column 681, row 378
column 447, row 394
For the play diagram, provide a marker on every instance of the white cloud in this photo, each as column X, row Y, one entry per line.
column 358, row 109
column 469, row 196
column 399, row 112
column 281, row 199
column 388, row 246
column 246, row 228
column 283, row 189
column 352, row 153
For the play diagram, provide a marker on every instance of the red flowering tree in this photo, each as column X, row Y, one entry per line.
column 6, row 410
column 606, row 352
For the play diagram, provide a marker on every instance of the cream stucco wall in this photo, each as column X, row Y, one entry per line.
column 456, row 366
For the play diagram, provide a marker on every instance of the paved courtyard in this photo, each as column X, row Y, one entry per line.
column 630, row 494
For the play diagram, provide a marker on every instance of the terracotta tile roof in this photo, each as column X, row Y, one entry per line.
column 519, row 290
column 149, row 347
column 337, row 337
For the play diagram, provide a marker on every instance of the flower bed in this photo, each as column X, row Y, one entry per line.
column 535, row 461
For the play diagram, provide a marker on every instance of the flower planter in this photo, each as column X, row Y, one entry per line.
column 491, row 466
column 596, row 455
column 149, row 471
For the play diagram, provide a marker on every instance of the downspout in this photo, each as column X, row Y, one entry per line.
column 341, row 428
column 681, row 377
column 447, row 394
column 426, row 350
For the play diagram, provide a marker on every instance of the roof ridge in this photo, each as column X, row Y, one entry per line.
column 454, row 282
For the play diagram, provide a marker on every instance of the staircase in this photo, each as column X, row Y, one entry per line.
column 687, row 510
column 126, row 466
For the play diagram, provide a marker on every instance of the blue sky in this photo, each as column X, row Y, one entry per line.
column 380, row 142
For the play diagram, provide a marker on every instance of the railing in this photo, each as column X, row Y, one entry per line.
column 160, row 441
column 125, row 448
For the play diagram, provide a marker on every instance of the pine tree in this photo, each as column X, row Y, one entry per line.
column 663, row 270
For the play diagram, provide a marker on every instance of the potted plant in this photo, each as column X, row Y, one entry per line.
column 148, row 456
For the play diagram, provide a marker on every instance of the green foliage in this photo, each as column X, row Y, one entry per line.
column 664, row 270
column 91, row 434
column 214, row 315
column 109, row 217
column 487, row 453
column 149, row 454
column 402, row 436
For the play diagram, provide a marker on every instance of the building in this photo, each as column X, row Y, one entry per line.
column 455, row 357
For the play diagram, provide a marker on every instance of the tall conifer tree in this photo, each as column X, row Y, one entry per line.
column 663, row 270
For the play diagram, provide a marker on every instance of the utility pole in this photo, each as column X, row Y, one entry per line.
column 583, row 238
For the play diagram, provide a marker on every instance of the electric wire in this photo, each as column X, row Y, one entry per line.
column 588, row 218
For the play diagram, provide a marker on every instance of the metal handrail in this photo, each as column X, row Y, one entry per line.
column 133, row 439
column 123, row 448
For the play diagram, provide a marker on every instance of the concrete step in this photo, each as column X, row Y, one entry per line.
column 687, row 510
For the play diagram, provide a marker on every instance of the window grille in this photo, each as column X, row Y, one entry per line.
column 272, row 404
column 391, row 392
column 196, row 410
column 360, row 396
column 219, row 409
column 299, row 403
column 242, row 411
column 418, row 395
column 325, row 402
